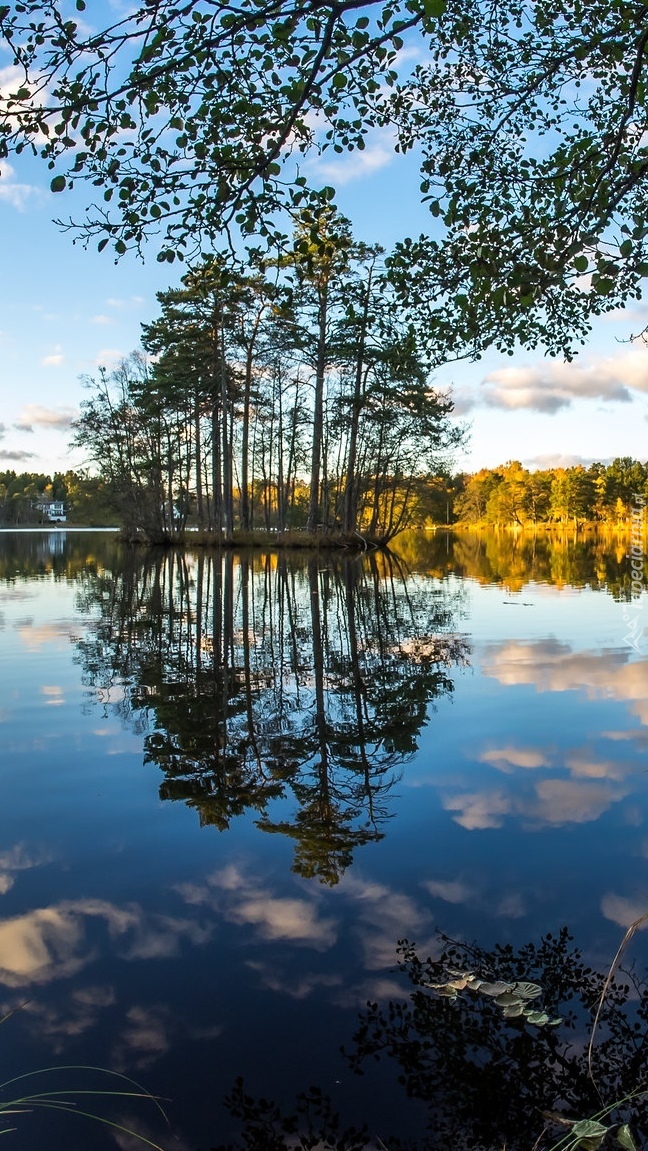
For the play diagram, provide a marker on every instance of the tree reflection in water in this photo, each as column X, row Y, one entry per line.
column 259, row 678
column 486, row 1081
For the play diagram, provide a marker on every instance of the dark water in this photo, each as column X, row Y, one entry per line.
column 231, row 786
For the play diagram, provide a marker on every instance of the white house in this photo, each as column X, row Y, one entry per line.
column 54, row 511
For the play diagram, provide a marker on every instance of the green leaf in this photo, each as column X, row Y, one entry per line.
column 513, row 1012
column 527, row 990
column 588, row 1129
column 494, row 989
column 508, row 999
column 624, row 1138
column 539, row 1018
column 581, row 263
column 434, row 8
column 58, row 184
column 339, row 80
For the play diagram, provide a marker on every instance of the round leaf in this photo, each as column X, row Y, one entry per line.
column 495, row 989
column 527, row 990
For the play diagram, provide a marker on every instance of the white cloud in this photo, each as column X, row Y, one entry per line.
column 39, row 416
column 16, row 456
column 561, row 460
column 102, row 319
column 636, row 314
column 54, row 359
column 550, row 386
column 116, row 302
column 13, row 192
column 356, row 166
column 108, row 358
column 378, row 153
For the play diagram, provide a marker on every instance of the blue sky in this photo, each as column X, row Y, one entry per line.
column 64, row 311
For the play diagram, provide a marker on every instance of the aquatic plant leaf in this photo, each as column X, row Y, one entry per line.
column 446, row 990
column 539, row 1018
column 527, row 990
column 514, row 1011
column 494, row 989
column 508, row 999
column 458, row 984
column 624, row 1138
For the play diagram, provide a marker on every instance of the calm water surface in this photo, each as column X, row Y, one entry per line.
column 230, row 787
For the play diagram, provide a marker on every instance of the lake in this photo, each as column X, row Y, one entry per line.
column 234, row 786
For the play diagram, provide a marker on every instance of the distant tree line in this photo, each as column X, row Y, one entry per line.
column 273, row 395
column 510, row 494
column 23, row 496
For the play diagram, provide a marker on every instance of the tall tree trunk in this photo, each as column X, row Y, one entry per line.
column 217, row 480
column 200, row 507
column 318, row 412
column 246, row 523
column 349, row 513
column 226, row 452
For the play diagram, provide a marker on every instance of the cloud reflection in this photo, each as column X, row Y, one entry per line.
column 81, row 1013
column 273, row 917
column 55, row 942
column 549, row 665
column 580, row 788
column 19, row 858
column 36, row 636
column 624, row 911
